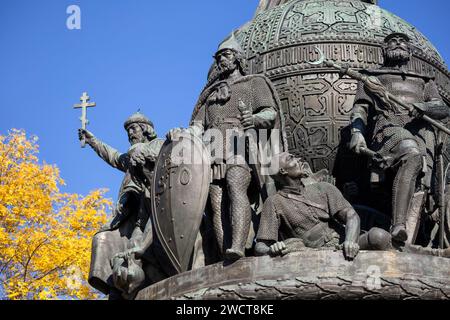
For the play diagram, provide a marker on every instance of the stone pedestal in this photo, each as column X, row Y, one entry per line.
column 312, row 275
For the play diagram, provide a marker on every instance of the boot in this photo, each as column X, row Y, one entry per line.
column 402, row 194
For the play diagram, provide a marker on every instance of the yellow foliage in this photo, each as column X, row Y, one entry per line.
column 45, row 235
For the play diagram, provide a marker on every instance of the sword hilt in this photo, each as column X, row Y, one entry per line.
column 375, row 156
column 243, row 108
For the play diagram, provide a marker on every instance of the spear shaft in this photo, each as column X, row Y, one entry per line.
column 382, row 92
column 370, row 81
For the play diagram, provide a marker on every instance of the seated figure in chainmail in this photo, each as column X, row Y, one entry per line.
column 317, row 216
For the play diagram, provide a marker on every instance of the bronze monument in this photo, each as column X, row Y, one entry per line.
column 314, row 115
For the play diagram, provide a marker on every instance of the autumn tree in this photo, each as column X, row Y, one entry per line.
column 45, row 235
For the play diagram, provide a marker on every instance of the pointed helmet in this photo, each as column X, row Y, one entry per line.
column 230, row 43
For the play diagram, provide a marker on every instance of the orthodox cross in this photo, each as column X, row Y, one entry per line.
column 83, row 106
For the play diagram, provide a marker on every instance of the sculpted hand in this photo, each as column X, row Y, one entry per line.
column 137, row 157
column 351, row 250
column 138, row 252
column 82, row 133
column 247, row 119
column 416, row 113
column 174, row 134
column 277, row 248
column 137, row 160
column 358, row 141
column 140, row 154
column 287, row 246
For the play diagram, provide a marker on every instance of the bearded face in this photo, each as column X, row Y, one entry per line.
column 135, row 134
column 397, row 51
column 226, row 62
column 292, row 166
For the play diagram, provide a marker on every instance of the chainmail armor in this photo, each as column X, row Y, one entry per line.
column 403, row 188
column 222, row 114
column 391, row 127
column 221, row 220
column 238, row 181
column 307, row 214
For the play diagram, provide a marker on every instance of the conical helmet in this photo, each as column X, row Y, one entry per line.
column 230, row 43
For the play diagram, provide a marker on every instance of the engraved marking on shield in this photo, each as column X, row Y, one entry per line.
column 185, row 176
column 183, row 191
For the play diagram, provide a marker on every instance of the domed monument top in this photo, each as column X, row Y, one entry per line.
column 281, row 40
column 267, row 4
column 357, row 20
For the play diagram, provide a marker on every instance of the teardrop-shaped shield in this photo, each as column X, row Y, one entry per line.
column 179, row 192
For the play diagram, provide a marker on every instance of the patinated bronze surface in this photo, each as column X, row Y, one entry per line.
column 398, row 135
column 305, row 216
column 179, row 193
column 354, row 101
column 83, row 106
column 313, row 275
column 114, row 270
column 317, row 103
column 226, row 110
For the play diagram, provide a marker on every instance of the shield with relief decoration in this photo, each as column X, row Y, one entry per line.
column 179, row 192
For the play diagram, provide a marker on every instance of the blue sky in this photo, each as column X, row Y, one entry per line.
column 152, row 55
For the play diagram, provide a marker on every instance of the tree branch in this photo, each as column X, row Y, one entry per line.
column 31, row 257
column 5, row 265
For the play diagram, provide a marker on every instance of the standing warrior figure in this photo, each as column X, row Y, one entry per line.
column 236, row 102
column 132, row 211
column 404, row 140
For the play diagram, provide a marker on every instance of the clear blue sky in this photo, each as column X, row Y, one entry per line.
column 129, row 54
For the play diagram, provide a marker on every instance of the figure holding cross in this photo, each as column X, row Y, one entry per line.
column 131, row 215
column 83, row 106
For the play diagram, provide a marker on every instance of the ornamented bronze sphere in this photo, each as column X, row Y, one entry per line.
column 281, row 39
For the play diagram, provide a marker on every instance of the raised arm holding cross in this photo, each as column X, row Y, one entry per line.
column 83, row 106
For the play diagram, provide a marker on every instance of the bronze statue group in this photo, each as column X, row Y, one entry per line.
column 395, row 121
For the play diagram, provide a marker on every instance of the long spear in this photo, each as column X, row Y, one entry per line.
column 374, row 85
